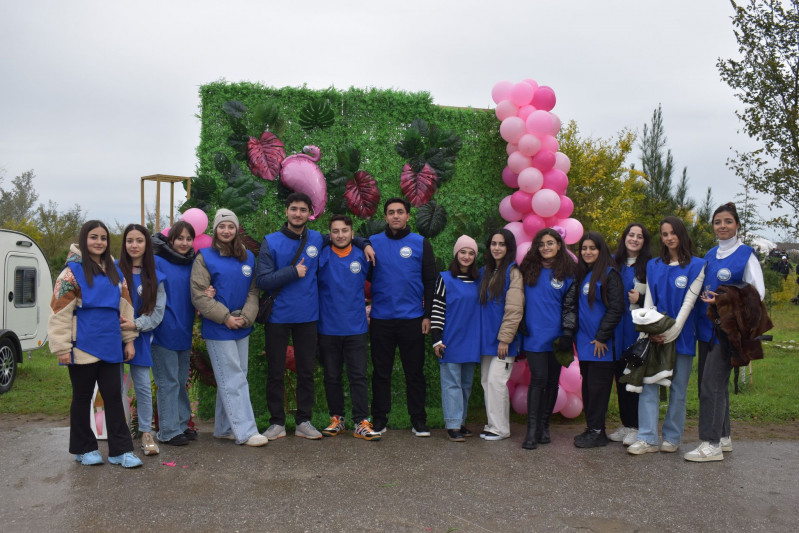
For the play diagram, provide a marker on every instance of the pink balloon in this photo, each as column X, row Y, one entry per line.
column 202, row 241
column 556, row 124
column 197, row 218
column 521, row 93
column 520, row 373
column 531, row 82
column 518, row 231
column 556, row 180
column 530, row 180
column 512, row 128
column 521, row 201
column 548, row 142
column 562, row 162
column 165, row 231
column 509, row 178
column 533, row 224
column 525, row 111
column 544, row 160
column 521, row 251
column 551, row 222
column 544, row 98
column 501, row 91
column 506, row 109
column 539, row 122
column 517, row 162
column 546, row 203
column 574, row 230
column 511, row 147
column 529, row 144
column 573, row 407
column 561, row 401
column 566, row 207
column 519, row 399
column 511, row 387
column 507, row 212
column 570, row 378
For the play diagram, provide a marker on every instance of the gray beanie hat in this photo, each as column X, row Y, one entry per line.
column 225, row 215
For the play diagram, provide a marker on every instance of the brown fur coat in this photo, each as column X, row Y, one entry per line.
column 743, row 317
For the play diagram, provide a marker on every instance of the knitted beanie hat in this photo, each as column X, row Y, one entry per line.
column 226, row 215
column 464, row 241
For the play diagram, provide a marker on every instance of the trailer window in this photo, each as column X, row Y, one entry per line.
column 24, row 287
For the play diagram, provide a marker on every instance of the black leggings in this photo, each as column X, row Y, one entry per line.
column 544, row 370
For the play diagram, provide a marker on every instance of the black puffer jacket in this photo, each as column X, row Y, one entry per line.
column 614, row 301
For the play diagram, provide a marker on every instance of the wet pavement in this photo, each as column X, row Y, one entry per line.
column 402, row 483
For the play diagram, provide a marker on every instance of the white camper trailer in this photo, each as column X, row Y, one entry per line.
column 26, row 287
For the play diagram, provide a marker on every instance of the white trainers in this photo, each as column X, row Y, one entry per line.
column 669, row 447
column 148, row 445
column 631, row 437
column 257, row 440
column 704, row 452
column 274, row 432
column 726, row 444
column 619, row 434
column 641, row 447
column 307, row 431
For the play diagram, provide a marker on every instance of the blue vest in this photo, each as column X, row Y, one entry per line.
column 491, row 315
column 719, row 271
column 461, row 334
column 98, row 333
column 669, row 285
column 588, row 320
column 625, row 334
column 342, row 303
column 298, row 300
column 397, row 288
column 542, row 311
column 144, row 356
column 232, row 280
column 175, row 330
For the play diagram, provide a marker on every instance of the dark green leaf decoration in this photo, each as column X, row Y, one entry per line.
column 234, row 108
column 431, row 219
column 239, row 144
column 221, row 162
column 371, row 227
column 267, row 117
column 317, row 114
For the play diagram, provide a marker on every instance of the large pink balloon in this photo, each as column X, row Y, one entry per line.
column 561, row 401
column 506, row 109
column 521, row 251
column 507, row 212
column 546, row 203
column 510, row 178
column 512, row 128
column 511, row 147
column 165, row 231
column 533, row 224
column 525, row 111
column 562, row 162
column 539, row 122
column 520, row 373
column 518, row 231
column 197, row 218
column 201, row 241
column 544, row 98
column 556, row 124
column 573, row 407
column 517, row 162
column 300, row 174
column 566, row 207
column 521, row 201
column 501, row 91
column 556, row 180
column 532, row 82
column 548, row 142
column 511, row 387
column 544, row 160
column 529, row 144
column 570, row 378
column 574, row 230
column 519, row 399
column 521, row 94
column 530, row 180
column 551, row 222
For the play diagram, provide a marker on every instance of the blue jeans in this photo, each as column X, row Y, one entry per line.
column 456, row 386
column 144, row 395
column 649, row 406
column 171, row 373
column 233, row 414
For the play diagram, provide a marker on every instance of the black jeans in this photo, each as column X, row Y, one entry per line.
column 303, row 335
column 714, row 403
column 386, row 336
column 81, row 437
column 544, row 369
column 628, row 401
column 597, row 384
column 336, row 351
column 702, row 349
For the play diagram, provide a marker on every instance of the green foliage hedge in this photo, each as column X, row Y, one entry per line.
column 373, row 121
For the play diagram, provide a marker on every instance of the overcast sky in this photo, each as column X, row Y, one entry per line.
column 96, row 94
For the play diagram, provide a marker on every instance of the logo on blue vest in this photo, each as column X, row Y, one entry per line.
column 406, row 252
column 138, row 290
column 246, row 270
column 556, row 284
column 586, row 288
column 311, row 251
column 355, row 267
column 724, row 274
column 681, row 282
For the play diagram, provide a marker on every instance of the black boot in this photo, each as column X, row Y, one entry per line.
column 547, row 406
column 534, row 395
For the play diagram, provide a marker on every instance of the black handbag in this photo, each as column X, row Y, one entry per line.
column 267, row 300
column 637, row 354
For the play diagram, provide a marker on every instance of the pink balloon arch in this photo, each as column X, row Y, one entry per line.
column 570, row 396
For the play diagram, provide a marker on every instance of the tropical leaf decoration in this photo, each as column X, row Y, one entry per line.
column 431, row 219
column 362, row 194
column 418, row 186
column 203, row 188
column 371, row 227
column 245, row 125
column 265, row 155
column 317, row 114
column 266, row 117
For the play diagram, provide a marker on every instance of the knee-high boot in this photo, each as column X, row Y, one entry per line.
column 534, row 396
column 547, row 406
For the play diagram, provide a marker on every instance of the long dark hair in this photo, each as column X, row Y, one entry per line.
column 149, row 281
column 643, row 256
column 90, row 268
column 493, row 284
column 686, row 249
column 234, row 248
column 562, row 264
column 599, row 270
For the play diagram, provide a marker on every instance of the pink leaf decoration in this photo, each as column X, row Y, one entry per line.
column 265, row 155
column 362, row 195
column 420, row 186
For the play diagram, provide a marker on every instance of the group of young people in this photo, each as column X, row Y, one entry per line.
column 141, row 310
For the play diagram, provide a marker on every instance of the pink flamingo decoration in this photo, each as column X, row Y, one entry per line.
column 300, row 174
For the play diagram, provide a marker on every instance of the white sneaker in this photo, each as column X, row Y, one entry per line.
column 275, row 431
column 726, row 444
column 257, row 440
column 641, row 447
column 307, row 431
column 619, row 434
column 669, row 447
column 631, row 437
column 148, row 445
column 704, row 452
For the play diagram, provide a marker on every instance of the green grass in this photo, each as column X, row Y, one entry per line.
column 41, row 387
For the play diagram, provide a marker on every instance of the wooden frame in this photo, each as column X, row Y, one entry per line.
column 159, row 179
